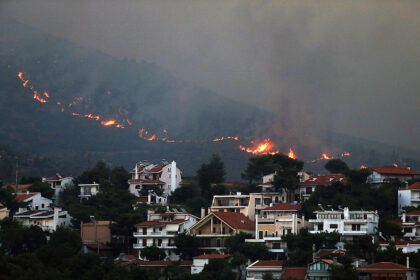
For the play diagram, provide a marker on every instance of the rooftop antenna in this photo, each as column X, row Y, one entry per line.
column 17, row 168
column 320, row 206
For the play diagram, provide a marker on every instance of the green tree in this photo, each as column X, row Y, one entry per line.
column 209, row 173
column 185, row 192
column 34, row 237
column 219, row 269
column 43, row 188
column 153, row 253
column 336, row 166
column 186, row 245
column 344, row 272
column 389, row 229
column 253, row 251
column 268, row 276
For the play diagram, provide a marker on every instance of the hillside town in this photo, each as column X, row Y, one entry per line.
column 284, row 223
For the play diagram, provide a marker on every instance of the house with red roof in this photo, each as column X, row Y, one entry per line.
column 309, row 186
column 160, row 230
column 408, row 196
column 213, row 229
column 145, row 176
column 39, row 211
column 295, row 273
column 386, row 174
column 406, row 246
column 387, row 270
column 257, row 269
column 275, row 222
column 200, row 261
column 320, row 269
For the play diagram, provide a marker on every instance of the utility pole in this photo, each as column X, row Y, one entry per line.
column 17, row 167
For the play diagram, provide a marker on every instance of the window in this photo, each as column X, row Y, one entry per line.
column 355, row 227
column 334, row 226
column 257, row 201
column 320, row 226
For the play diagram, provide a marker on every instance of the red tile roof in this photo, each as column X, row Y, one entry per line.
column 23, row 197
column 415, row 186
column 394, row 170
column 283, row 207
column 267, row 263
column 384, row 267
column 236, row 220
column 324, row 180
column 325, row 252
column 298, row 273
column 156, row 169
column 55, row 178
column 413, row 213
column 401, row 242
column 212, row 256
column 147, row 182
column 159, row 223
column 163, row 263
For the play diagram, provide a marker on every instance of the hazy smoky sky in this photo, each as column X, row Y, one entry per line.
column 351, row 66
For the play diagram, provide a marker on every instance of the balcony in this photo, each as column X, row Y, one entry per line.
column 154, row 234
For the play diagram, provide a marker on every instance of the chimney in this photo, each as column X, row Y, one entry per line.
column 136, row 176
column 403, row 217
column 408, row 261
column 56, row 211
column 256, row 226
column 357, row 263
column 203, row 212
column 173, row 176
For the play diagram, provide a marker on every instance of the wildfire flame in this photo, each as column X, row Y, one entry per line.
column 325, row 156
column 235, row 138
column 108, row 123
column 265, row 147
column 363, row 167
column 291, row 154
column 345, row 154
column 395, row 165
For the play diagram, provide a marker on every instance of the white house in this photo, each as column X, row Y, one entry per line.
column 409, row 196
column 88, row 190
column 59, row 183
column 407, row 246
column 347, row 223
column 166, row 177
column 308, row 186
column 4, row 212
column 160, row 229
column 47, row 220
column 34, row 200
column 40, row 212
column 382, row 175
column 410, row 224
column 200, row 261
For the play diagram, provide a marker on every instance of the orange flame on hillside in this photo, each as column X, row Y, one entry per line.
column 325, row 156
column 362, row 167
column 345, row 154
column 39, row 98
column 108, row 123
column 395, row 165
column 291, row 154
column 235, row 138
column 265, row 147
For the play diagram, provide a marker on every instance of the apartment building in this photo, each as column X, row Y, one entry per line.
column 47, row 220
column 347, row 223
column 160, row 229
column 409, row 196
column 275, row 222
column 213, row 229
column 248, row 205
